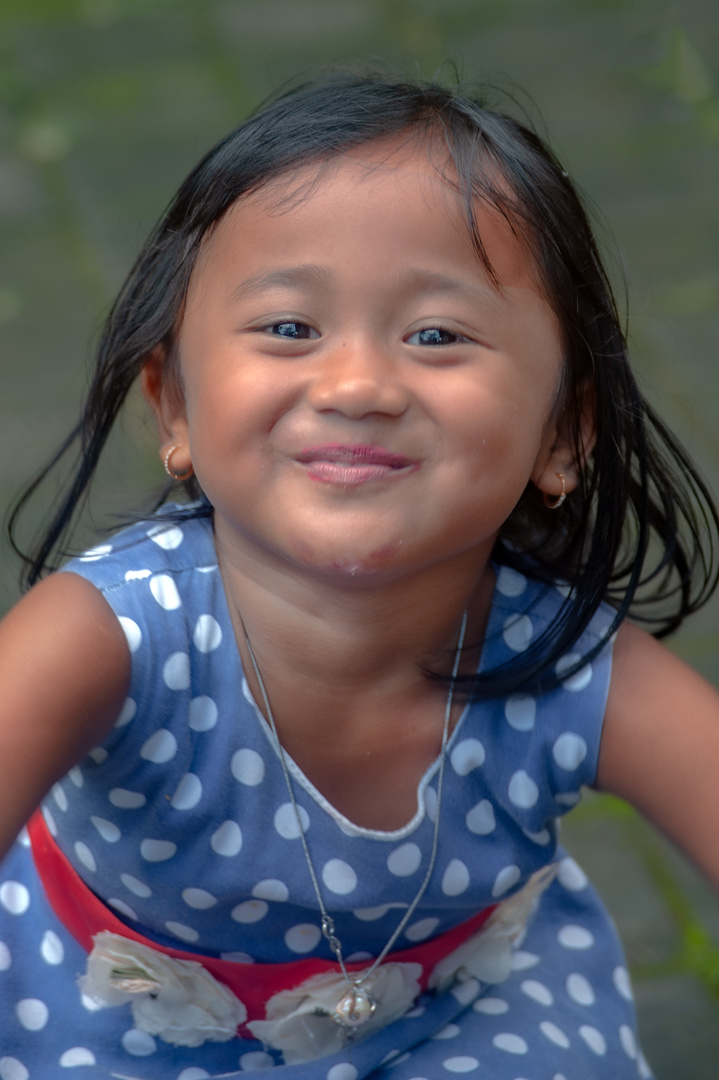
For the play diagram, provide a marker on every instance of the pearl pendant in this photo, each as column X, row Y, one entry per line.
column 354, row 1008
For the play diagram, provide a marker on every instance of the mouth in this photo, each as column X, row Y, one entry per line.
column 352, row 465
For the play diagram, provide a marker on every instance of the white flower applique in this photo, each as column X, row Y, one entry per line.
column 487, row 955
column 301, row 1022
column 177, row 1000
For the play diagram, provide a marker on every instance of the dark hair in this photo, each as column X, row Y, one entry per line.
column 636, row 532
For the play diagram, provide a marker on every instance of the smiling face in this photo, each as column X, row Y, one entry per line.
column 357, row 398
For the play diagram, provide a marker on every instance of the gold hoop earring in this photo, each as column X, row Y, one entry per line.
column 547, row 499
column 166, row 462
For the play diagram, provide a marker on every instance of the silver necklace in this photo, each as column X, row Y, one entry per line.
column 357, row 1004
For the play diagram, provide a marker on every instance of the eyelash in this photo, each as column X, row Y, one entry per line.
column 439, row 331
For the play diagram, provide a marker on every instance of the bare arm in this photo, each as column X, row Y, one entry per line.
column 64, row 673
column 660, row 747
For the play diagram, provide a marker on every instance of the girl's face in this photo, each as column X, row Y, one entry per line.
column 358, row 399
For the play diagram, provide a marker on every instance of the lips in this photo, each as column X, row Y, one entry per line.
column 338, row 463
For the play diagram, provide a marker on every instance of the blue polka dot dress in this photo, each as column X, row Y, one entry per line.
column 181, row 823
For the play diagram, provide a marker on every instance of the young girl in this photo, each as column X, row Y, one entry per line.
column 322, row 719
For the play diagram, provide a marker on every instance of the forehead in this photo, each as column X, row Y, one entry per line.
column 406, row 188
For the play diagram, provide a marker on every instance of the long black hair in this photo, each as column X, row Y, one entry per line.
column 637, row 532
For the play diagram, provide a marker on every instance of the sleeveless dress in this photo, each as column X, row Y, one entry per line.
column 181, row 823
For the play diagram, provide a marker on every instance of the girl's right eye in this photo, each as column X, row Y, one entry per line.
column 291, row 330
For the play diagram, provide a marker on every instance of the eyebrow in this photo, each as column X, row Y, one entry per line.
column 293, row 277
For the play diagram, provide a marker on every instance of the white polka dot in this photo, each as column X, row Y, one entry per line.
column 554, row 1034
column 404, row 860
column 184, row 933
column 176, row 671
column 132, row 632
column 32, row 1013
column 23, row 837
column 127, row 713
column 187, row 793
column 49, row 820
column 505, row 879
column 628, row 1041
column 157, row 850
column 571, row 875
column 286, row 821
column 271, row 889
column 303, row 938
column 568, row 798
column 251, row 911
column 78, row 1055
column 569, row 751
column 466, row 992
column 594, row 1039
column 342, row 1071
column 75, row 775
column 160, row 747
column 202, row 713
column 580, row 679
column 227, row 839
column 510, row 582
column 194, row 1073
column 14, row 897
column 520, row 711
column 164, row 590
column 198, row 898
column 51, row 948
column 517, row 632
column 248, row 767
column 339, row 877
column 5, row 956
column 511, row 1044
column 580, row 989
column 415, row 1013
column 430, row 802
column 89, row 1003
column 455, row 879
column 99, row 755
column 59, row 796
column 461, row 1064
column 622, row 982
column 138, row 1043
column 137, row 575
column 207, row 634
column 137, row 887
column 491, row 1006
column 166, row 537
column 107, row 829
column 449, row 1031
column 370, row 914
column 256, row 1059
column 522, row 961
column 123, row 908
column 480, row 819
column 467, row 755
column 12, row 1069
column 542, row 837
column 423, row 929
column 537, row 991
column 644, row 1071
column 85, row 856
column 575, row 937
column 523, row 791
column 95, row 553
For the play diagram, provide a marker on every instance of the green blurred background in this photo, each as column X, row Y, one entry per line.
column 106, row 104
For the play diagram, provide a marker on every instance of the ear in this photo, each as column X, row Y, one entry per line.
column 565, row 450
column 164, row 396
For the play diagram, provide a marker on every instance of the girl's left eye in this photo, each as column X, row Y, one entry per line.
column 435, row 335
column 291, row 330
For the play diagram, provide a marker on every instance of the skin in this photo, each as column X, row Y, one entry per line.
column 357, row 316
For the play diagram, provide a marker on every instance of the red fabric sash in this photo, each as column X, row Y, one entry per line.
column 83, row 914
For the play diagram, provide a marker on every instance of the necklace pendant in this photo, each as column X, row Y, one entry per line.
column 354, row 1008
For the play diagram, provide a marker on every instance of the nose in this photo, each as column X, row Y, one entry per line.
column 357, row 379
